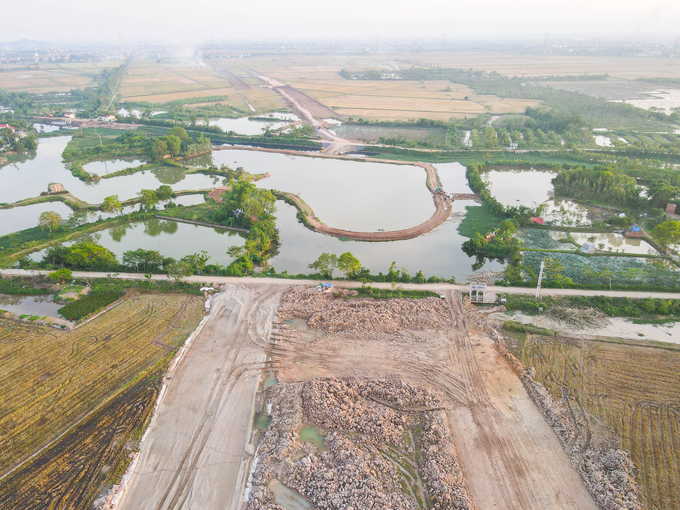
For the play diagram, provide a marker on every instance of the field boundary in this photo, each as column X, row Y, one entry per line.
column 201, row 223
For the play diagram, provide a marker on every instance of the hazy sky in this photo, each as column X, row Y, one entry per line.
column 303, row 20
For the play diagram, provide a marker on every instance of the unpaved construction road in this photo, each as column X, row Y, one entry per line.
column 193, row 457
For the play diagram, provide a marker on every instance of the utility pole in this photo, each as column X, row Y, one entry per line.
column 540, row 277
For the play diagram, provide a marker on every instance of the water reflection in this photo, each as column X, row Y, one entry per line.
column 41, row 306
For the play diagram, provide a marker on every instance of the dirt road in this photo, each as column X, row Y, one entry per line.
column 193, row 457
column 511, row 458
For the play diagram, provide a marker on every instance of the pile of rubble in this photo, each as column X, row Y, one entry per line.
column 361, row 420
column 333, row 313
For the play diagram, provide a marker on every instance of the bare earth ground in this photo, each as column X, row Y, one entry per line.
column 192, row 457
column 510, row 456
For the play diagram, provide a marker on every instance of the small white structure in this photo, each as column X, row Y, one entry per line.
column 588, row 247
column 477, row 292
column 513, row 146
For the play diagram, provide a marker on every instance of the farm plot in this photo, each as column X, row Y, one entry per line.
column 633, row 389
column 51, row 379
column 46, row 79
column 598, row 269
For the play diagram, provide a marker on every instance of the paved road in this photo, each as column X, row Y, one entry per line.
column 436, row 287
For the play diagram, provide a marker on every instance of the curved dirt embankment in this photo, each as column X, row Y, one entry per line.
column 442, row 205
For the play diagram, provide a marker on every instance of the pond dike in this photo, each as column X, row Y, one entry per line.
column 441, row 203
column 202, row 223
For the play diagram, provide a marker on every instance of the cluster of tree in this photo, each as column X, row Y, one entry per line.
column 178, row 142
column 501, row 243
column 667, row 233
column 20, row 102
column 149, row 198
column 12, row 141
column 246, row 206
column 328, row 262
column 607, row 184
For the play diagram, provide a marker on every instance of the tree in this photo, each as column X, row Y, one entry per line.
column 348, row 264
column 77, row 217
column 661, row 192
column 196, row 261
column 112, row 205
column 667, row 233
column 164, row 193
column 179, row 270
column 148, row 260
column 88, row 255
column 149, row 199
column 49, row 220
column 174, row 144
column 325, row 264
column 62, row 275
column 159, row 149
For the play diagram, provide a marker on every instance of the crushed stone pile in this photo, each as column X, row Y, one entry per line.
column 363, row 422
column 334, row 313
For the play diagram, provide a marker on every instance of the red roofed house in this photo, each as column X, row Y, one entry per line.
column 3, row 126
column 538, row 221
column 70, row 115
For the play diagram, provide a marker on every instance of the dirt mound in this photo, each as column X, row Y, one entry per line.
column 333, row 313
column 386, row 444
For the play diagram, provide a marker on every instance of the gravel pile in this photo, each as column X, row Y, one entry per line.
column 361, row 419
column 332, row 312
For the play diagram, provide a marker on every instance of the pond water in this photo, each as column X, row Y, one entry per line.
column 246, row 126
column 564, row 212
column 519, row 187
column 29, row 178
column 662, row 99
column 20, row 218
column 112, row 165
column 42, row 306
column 603, row 141
column 453, row 179
column 352, row 195
column 616, row 243
column 312, row 435
column 436, row 253
column 46, row 128
column 287, row 497
column 170, row 238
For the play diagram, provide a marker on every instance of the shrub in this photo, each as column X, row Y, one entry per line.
column 61, row 275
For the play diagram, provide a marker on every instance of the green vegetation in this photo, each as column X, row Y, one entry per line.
column 501, row 244
column 246, row 206
column 478, row 219
column 87, row 305
column 521, row 213
column 61, row 275
column 606, row 184
column 370, row 292
column 21, row 286
column 611, row 306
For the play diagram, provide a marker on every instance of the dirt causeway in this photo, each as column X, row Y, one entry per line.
column 198, row 452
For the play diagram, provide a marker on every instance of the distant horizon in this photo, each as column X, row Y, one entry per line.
column 303, row 22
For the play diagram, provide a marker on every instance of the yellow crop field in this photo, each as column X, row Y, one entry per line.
column 634, row 389
column 541, row 65
column 39, row 81
column 50, row 379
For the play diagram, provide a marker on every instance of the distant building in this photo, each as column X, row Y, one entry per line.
column 513, row 146
column 670, row 209
column 538, row 221
column 70, row 115
column 635, row 232
column 107, row 118
column 7, row 126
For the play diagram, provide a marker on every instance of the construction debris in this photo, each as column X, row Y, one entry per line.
column 372, row 455
column 368, row 318
column 573, row 317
